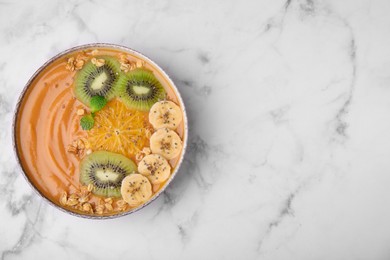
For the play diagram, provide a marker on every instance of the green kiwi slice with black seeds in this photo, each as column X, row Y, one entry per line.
column 92, row 80
column 140, row 89
column 105, row 171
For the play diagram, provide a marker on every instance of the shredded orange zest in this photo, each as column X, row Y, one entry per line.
column 119, row 129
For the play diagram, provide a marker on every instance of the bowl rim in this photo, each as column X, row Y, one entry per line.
column 28, row 85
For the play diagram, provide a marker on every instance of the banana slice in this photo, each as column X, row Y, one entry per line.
column 136, row 189
column 165, row 114
column 166, row 143
column 155, row 167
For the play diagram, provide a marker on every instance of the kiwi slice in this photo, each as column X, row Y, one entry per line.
column 92, row 80
column 105, row 171
column 140, row 89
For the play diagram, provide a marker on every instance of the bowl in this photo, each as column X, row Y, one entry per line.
column 29, row 85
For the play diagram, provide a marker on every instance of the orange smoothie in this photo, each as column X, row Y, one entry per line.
column 48, row 122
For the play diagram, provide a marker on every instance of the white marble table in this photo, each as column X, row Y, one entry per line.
column 289, row 149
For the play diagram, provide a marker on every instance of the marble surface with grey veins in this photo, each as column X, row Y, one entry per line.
column 289, row 111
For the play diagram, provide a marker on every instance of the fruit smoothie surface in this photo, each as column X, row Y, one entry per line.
column 52, row 142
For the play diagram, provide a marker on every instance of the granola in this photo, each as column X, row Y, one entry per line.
column 78, row 147
column 126, row 64
column 98, row 62
column 80, row 112
column 141, row 154
column 75, row 63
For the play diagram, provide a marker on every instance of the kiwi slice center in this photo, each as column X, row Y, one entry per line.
column 98, row 82
column 141, row 90
column 101, row 80
column 107, row 175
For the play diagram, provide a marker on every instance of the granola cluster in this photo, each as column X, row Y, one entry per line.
column 107, row 206
column 74, row 64
column 81, row 201
column 128, row 65
column 98, row 62
column 79, row 147
column 141, row 154
column 92, row 53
